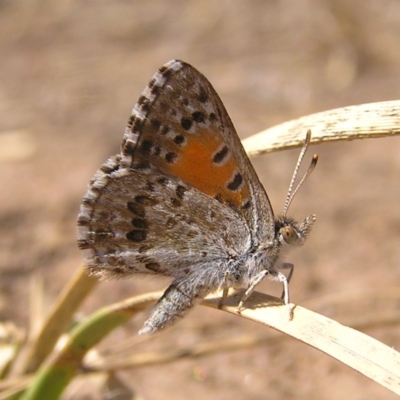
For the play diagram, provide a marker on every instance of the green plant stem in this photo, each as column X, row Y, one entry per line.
column 62, row 366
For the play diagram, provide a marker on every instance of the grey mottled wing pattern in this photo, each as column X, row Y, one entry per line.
column 141, row 221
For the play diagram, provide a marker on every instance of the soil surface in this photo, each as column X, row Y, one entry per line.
column 70, row 73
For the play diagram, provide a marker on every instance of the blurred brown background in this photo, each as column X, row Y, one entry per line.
column 70, row 73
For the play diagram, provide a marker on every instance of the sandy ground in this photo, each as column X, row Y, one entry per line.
column 71, row 71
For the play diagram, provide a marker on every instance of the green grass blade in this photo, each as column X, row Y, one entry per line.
column 63, row 365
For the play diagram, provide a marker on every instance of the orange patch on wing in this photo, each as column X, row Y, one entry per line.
column 195, row 166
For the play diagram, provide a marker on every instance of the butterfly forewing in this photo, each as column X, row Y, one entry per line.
column 181, row 127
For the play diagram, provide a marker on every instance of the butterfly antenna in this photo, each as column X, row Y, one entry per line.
column 313, row 163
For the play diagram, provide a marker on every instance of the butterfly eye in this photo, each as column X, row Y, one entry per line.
column 288, row 234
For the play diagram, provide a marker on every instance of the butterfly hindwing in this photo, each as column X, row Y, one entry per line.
column 141, row 221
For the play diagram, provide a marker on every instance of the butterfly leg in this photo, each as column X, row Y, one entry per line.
column 285, row 291
column 221, row 302
column 282, row 278
column 251, row 288
column 225, row 289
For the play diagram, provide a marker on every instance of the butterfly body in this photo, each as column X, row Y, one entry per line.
column 182, row 200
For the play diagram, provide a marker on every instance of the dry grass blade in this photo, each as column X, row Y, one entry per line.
column 363, row 121
column 124, row 355
column 366, row 355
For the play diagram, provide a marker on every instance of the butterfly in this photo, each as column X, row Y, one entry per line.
column 183, row 200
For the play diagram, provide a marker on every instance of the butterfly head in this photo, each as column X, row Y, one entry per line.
column 289, row 232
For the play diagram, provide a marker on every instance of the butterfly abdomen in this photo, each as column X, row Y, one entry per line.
column 176, row 301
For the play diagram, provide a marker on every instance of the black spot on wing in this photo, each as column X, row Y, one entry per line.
column 176, row 202
column 139, row 223
column 236, row 182
column 141, row 165
column 198, row 116
column 136, row 235
column 219, row 198
column 202, row 96
column 221, row 155
column 162, row 180
column 170, row 157
column 137, row 209
column 212, row 117
column 153, row 266
column 246, row 205
column 180, row 191
column 145, row 147
column 186, row 123
column 179, row 139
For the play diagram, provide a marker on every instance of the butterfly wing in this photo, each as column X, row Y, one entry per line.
column 182, row 193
